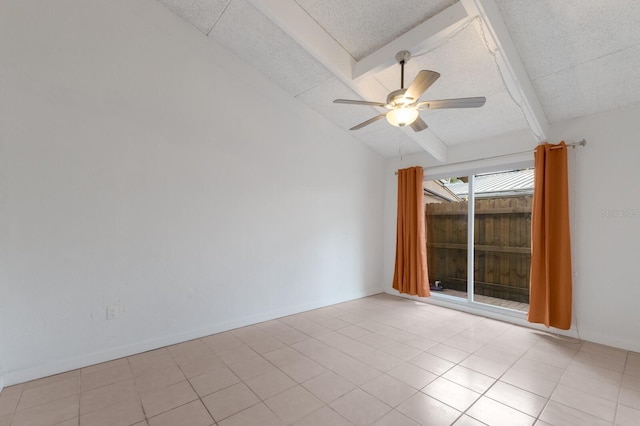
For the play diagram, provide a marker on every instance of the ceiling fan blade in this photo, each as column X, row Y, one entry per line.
column 369, row 121
column 353, row 102
column 418, row 125
column 420, row 84
column 453, row 103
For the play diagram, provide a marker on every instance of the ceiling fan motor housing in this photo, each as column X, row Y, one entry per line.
column 397, row 99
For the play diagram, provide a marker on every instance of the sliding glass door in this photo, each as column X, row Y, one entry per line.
column 479, row 237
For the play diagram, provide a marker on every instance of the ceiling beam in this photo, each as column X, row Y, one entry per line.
column 496, row 35
column 297, row 23
column 430, row 33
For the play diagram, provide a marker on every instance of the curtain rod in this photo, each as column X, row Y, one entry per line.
column 583, row 142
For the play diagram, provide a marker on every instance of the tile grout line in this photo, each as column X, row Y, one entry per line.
column 626, row 362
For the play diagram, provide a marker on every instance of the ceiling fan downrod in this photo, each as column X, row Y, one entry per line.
column 402, row 57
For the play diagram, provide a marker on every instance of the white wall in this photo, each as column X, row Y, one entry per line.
column 604, row 177
column 606, row 248
column 145, row 167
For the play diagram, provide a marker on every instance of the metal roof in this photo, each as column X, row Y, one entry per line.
column 515, row 182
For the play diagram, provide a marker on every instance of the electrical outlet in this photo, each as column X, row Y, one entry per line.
column 112, row 312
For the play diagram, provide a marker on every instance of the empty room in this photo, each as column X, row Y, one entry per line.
column 304, row 212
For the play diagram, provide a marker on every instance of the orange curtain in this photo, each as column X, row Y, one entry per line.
column 550, row 287
column 410, row 275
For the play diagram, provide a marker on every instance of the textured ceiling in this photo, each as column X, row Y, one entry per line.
column 363, row 26
column 577, row 57
column 582, row 56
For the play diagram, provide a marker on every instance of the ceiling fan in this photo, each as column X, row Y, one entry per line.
column 404, row 108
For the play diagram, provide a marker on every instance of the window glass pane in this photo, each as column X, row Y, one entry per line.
column 502, row 238
column 446, row 212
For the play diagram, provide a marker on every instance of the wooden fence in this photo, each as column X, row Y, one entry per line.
column 502, row 246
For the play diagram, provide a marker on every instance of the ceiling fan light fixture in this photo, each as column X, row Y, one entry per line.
column 403, row 104
column 402, row 116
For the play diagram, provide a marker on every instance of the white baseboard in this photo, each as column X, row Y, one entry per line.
column 614, row 341
column 501, row 314
column 61, row 366
column 520, row 318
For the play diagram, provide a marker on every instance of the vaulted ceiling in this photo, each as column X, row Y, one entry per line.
column 536, row 62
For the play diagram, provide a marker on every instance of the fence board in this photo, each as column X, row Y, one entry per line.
column 478, row 247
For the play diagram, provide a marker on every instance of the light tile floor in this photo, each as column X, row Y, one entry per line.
column 381, row 360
